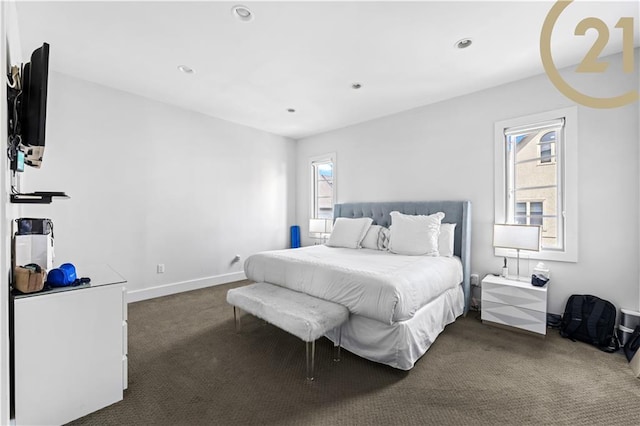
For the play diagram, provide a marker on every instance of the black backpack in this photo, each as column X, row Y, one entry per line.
column 590, row 319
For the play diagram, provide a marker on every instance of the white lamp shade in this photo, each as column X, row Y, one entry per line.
column 320, row 226
column 522, row 237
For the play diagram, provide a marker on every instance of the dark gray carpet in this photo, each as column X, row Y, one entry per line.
column 188, row 366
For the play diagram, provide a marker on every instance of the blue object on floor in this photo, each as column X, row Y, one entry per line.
column 295, row 236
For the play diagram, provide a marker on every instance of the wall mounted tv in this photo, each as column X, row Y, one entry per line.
column 31, row 110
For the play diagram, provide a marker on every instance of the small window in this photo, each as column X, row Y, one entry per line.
column 529, row 213
column 521, row 214
column 546, row 151
column 535, row 213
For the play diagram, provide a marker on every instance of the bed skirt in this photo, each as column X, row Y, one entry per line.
column 401, row 344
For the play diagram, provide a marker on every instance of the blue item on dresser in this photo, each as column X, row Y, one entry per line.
column 63, row 276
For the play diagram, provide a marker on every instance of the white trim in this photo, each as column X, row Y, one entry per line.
column 570, row 179
column 529, row 127
column 182, row 286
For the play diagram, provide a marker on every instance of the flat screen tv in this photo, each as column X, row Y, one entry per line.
column 34, row 106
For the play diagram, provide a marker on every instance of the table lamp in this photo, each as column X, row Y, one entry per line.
column 518, row 237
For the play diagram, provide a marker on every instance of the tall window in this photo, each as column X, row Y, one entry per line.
column 531, row 175
column 323, row 188
column 536, row 179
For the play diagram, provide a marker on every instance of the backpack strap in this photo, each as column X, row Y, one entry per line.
column 592, row 321
column 576, row 316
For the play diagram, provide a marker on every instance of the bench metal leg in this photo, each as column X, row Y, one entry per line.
column 311, row 357
column 236, row 318
column 336, row 346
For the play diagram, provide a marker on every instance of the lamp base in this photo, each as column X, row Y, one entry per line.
column 518, row 277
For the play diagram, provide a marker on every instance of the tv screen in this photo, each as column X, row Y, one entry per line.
column 34, row 106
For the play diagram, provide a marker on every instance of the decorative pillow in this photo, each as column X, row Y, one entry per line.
column 370, row 239
column 445, row 240
column 349, row 232
column 383, row 238
column 415, row 234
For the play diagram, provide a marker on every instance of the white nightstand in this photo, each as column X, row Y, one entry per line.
column 514, row 303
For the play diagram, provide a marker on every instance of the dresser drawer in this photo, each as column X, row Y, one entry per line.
column 514, row 316
column 528, row 298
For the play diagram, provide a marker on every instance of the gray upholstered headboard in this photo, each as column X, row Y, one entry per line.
column 455, row 212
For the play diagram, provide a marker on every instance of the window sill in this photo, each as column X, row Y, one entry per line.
column 557, row 256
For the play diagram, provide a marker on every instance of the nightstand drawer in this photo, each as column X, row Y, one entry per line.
column 514, row 316
column 527, row 298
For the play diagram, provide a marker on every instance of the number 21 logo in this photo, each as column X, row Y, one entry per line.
column 590, row 62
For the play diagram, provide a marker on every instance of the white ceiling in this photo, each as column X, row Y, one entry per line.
column 306, row 55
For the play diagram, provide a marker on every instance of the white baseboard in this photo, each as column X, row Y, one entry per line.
column 179, row 287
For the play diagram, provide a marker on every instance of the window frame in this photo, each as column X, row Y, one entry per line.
column 566, row 158
column 319, row 159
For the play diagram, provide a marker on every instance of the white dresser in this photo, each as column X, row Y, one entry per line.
column 70, row 349
column 514, row 303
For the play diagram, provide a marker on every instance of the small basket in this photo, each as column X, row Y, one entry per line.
column 27, row 280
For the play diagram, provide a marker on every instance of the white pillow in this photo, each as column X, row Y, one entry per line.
column 445, row 240
column 415, row 234
column 349, row 232
column 370, row 239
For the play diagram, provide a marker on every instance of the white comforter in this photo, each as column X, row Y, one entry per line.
column 376, row 284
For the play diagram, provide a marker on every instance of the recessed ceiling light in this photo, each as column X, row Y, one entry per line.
column 463, row 43
column 243, row 13
column 185, row 69
column 356, row 86
column 291, row 110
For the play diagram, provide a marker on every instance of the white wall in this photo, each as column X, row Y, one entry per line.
column 445, row 151
column 4, row 240
column 151, row 183
column 10, row 54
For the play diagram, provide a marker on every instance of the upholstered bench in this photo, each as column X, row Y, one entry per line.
column 304, row 316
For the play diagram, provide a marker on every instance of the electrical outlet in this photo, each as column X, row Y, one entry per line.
column 160, row 268
column 475, row 280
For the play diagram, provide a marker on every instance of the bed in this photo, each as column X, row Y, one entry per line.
column 394, row 317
